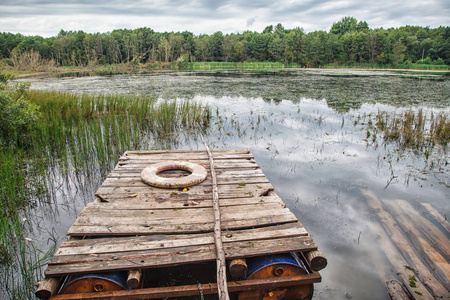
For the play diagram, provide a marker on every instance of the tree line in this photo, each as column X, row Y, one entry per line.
column 347, row 42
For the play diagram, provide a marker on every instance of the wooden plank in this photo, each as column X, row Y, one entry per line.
column 175, row 216
column 187, row 156
column 225, row 191
column 175, row 256
column 179, row 201
column 194, row 290
column 137, row 182
column 162, row 228
column 201, row 158
column 105, row 245
column 172, row 152
column 223, row 173
column 222, row 164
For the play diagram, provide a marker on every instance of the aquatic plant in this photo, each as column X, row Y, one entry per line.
column 414, row 129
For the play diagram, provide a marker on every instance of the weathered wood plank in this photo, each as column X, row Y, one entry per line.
column 152, row 152
column 137, row 182
column 179, row 201
column 225, row 191
column 120, row 244
column 180, row 217
column 176, row 256
column 187, row 156
column 193, row 190
column 223, row 173
column 163, row 228
column 194, row 290
column 223, row 164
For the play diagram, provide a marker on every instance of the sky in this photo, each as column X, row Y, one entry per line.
column 47, row 17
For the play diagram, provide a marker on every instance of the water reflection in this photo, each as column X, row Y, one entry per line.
column 302, row 130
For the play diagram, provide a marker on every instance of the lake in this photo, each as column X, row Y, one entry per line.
column 368, row 203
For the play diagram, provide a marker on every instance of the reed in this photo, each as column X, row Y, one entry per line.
column 77, row 138
column 412, row 129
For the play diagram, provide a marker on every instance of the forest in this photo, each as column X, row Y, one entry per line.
column 348, row 42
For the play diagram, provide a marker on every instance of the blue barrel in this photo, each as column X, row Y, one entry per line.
column 90, row 283
column 273, row 266
column 255, row 264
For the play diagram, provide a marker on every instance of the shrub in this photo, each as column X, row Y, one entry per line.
column 18, row 116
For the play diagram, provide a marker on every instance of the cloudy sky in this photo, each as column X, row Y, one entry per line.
column 48, row 17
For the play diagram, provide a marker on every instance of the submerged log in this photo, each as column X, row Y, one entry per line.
column 396, row 291
column 427, row 239
column 437, row 216
column 400, row 252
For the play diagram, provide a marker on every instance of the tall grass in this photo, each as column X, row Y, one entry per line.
column 78, row 138
column 412, row 129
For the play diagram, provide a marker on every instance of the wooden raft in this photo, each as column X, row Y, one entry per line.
column 132, row 225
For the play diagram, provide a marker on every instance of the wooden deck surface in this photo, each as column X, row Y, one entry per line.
column 137, row 226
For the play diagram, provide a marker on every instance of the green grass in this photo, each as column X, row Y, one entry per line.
column 78, row 138
column 238, row 66
column 411, row 66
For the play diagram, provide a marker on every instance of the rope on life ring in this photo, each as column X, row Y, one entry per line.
column 150, row 174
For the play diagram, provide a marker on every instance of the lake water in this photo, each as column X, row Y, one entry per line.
column 308, row 132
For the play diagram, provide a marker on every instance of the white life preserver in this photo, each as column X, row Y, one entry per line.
column 150, row 174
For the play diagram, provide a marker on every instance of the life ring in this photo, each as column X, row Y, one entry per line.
column 150, row 174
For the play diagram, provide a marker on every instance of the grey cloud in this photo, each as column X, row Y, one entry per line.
column 250, row 22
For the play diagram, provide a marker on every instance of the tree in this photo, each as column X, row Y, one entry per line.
column 229, row 42
column 279, row 29
column 217, row 46
column 268, row 29
column 8, row 42
column 398, row 52
column 347, row 24
column 354, row 44
column 276, row 49
column 203, row 48
column 296, row 41
column 372, row 46
column 164, row 48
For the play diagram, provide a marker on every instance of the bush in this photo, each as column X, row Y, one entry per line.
column 18, row 116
